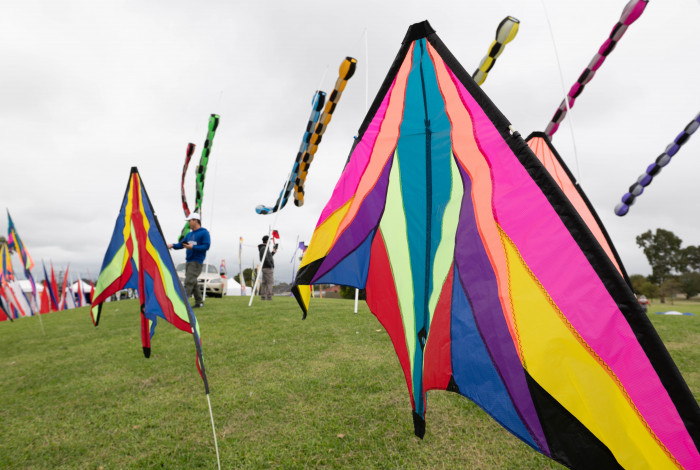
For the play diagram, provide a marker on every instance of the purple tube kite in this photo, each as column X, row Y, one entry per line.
column 652, row 170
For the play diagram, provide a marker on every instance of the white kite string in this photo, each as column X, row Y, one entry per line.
column 563, row 87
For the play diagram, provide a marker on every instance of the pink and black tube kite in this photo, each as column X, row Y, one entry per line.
column 632, row 11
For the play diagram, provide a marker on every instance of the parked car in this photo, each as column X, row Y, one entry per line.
column 216, row 285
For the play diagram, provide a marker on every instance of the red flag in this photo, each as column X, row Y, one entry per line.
column 45, row 299
column 54, row 286
column 81, row 299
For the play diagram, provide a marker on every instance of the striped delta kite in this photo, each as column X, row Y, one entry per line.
column 489, row 282
column 138, row 258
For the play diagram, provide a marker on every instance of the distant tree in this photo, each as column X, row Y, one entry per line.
column 643, row 286
column 248, row 276
column 669, row 288
column 348, row 292
column 663, row 251
column 691, row 258
column 689, row 283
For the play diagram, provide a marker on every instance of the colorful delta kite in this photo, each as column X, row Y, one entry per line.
column 489, row 282
column 654, row 169
column 201, row 172
column 505, row 33
column 316, row 106
column 345, row 73
column 630, row 13
column 137, row 257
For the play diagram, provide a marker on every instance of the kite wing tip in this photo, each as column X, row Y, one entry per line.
column 418, row 425
column 147, row 352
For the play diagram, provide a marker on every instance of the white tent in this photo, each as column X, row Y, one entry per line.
column 234, row 288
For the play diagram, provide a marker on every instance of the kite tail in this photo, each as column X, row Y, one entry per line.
column 505, row 33
column 346, row 71
column 652, row 170
column 316, row 107
column 145, row 333
column 631, row 12
column 202, row 169
column 418, row 425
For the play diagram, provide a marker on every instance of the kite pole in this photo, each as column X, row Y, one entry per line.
column 216, row 444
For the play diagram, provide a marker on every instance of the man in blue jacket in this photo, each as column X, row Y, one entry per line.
column 196, row 242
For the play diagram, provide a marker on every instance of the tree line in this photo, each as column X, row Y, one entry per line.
column 674, row 269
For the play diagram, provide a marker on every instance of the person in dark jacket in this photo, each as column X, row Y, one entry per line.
column 196, row 242
column 268, row 269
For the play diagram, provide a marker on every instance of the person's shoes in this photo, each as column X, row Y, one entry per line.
column 198, row 305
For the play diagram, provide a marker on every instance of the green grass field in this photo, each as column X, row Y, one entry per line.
column 327, row 392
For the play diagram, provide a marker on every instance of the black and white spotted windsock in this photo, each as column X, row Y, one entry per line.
column 505, row 33
column 652, row 170
column 632, row 11
column 346, row 71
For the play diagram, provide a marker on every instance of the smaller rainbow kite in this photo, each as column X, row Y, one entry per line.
column 137, row 257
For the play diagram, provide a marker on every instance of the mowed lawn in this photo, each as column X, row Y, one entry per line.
column 327, row 392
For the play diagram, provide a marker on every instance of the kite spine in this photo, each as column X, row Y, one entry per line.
column 631, row 12
column 652, row 170
column 346, row 71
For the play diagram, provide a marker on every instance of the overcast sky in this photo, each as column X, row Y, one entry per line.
column 91, row 88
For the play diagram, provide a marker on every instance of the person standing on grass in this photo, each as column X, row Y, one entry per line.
column 196, row 242
column 268, row 269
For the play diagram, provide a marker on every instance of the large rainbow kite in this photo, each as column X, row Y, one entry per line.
column 489, row 282
column 137, row 257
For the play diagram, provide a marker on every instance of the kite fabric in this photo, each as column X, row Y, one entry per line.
column 488, row 281
column 630, row 13
column 138, row 258
column 201, row 172
column 14, row 243
column 545, row 152
column 654, row 169
column 345, row 73
column 316, row 106
column 505, row 33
